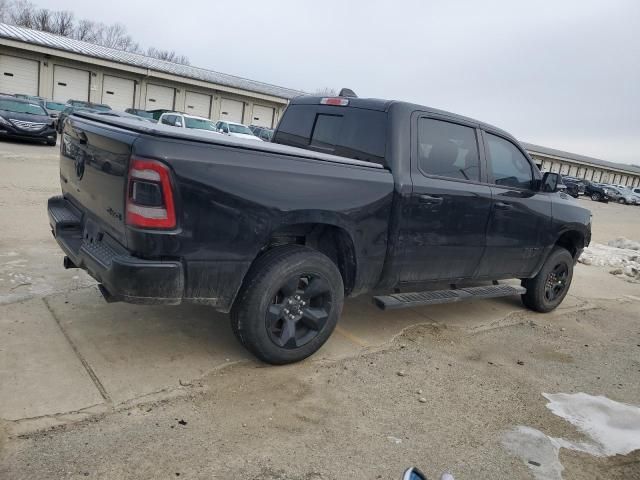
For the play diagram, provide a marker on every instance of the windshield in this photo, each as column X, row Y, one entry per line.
column 99, row 107
column 233, row 128
column 21, row 107
column 199, row 123
column 55, row 106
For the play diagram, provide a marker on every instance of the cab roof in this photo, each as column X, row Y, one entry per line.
column 396, row 106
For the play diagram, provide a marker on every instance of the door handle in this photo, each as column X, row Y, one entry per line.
column 430, row 200
column 504, row 206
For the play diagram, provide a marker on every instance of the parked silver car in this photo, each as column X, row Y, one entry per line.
column 622, row 195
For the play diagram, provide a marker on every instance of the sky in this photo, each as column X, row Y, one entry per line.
column 560, row 73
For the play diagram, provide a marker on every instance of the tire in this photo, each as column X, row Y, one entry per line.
column 622, row 201
column 543, row 294
column 52, row 143
column 289, row 304
column 595, row 196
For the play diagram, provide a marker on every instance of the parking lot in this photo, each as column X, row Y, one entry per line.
column 86, row 387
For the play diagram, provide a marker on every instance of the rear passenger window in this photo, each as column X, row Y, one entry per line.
column 447, row 150
column 508, row 166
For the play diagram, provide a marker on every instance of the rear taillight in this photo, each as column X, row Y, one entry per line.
column 149, row 195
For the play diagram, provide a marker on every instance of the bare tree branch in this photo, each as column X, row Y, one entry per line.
column 88, row 31
column 63, row 23
column 22, row 13
column 168, row 55
column 42, row 20
column 5, row 10
column 326, row 92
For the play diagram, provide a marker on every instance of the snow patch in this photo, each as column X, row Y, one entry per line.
column 621, row 254
column 613, row 428
column 538, row 451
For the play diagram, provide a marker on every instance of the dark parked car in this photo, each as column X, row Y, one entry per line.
column 77, row 105
column 157, row 113
column 355, row 195
column 102, row 107
column 32, row 98
column 571, row 187
column 25, row 119
column 263, row 133
column 575, row 186
column 140, row 113
column 54, row 109
column 597, row 192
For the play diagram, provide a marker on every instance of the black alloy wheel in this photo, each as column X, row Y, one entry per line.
column 556, row 281
column 288, row 305
column 550, row 286
column 299, row 311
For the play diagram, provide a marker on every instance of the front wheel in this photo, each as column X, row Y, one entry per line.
column 595, row 197
column 288, row 305
column 546, row 290
column 622, row 201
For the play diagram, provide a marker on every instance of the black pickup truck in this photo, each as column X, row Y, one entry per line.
column 413, row 204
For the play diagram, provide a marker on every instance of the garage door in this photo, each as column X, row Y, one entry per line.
column 118, row 92
column 262, row 116
column 159, row 97
column 70, row 84
column 18, row 75
column 197, row 104
column 231, row 110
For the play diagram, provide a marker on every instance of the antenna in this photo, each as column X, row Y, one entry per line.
column 347, row 92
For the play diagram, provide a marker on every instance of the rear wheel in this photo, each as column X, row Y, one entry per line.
column 546, row 290
column 595, row 196
column 289, row 304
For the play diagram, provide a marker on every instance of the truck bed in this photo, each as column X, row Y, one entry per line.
column 160, row 130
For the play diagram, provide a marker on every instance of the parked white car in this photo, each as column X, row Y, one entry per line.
column 237, row 130
column 182, row 120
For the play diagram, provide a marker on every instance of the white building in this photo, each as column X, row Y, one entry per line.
column 593, row 169
column 59, row 68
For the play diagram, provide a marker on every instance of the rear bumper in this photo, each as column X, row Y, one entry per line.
column 124, row 276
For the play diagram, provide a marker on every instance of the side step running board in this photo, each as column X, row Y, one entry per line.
column 418, row 299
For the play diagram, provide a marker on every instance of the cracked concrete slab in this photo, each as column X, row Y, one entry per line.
column 139, row 350
column 40, row 373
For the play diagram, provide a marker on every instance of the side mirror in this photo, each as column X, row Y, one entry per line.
column 551, row 182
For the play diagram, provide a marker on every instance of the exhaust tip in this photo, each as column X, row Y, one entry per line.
column 68, row 263
column 106, row 295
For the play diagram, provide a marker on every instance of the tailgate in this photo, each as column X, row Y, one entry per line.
column 94, row 160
